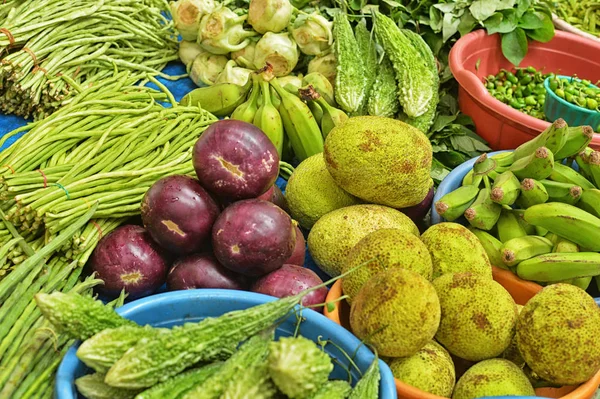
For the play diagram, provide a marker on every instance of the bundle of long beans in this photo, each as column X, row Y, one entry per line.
column 583, row 14
column 108, row 146
column 43, row 40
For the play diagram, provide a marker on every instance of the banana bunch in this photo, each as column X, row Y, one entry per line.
column 534, row 214
column 294, row 117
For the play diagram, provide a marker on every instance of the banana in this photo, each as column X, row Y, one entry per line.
column 504, row 159
column 491, row 245
column 529, row 228
column 578, row 138
column 506, row 189
column 539, row 231
column 555, row 267
column 553, row 138
column 452, row 205
column 299, row 123
column 564, row 174
column 268, row 119
column 518, row 249
column 537, row 166
column 567, row 220
column 316, row 110
column 582, row 160
column 484, row 165
column 565, row 246
column 220, row 99
column 562, row 192
column 552, row 237
column 483, row 213
column 532, row 193
column 471, row 179
column 593, row 161
column 509, row 226
column 332, row 117
column 246, row 111
column 590, row 202
column 581, row 282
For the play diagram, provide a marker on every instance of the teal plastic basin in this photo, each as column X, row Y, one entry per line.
column 556, row 107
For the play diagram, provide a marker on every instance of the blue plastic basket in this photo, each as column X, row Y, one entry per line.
column 178, row 307
column 556, row 107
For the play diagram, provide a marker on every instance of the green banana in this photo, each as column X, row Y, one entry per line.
column 562, row 192
column 268, row 119
column 506, row 189
column 529, row 229
column 532, row 193
column 564, row 174
column 567, row 220
column 246, row 111
column 220, row 99
column 555, row 267
column 471, row 179
column 553, row 138
column 452, row 205
column 299, row 123
column 504, row 159
column 483, row 213
column 593, row 161
column 582, row 161
column 537, row 166
column 540, row 231
column 484, row 165
column 552, row 237
column 509, row 226
column 565, row 246
column 581, row 282
column 518, row 249
column 491, row 245
column 578, row 138
column 332, row 116
column 321, row 85
column 590, row 202
column 316, row 110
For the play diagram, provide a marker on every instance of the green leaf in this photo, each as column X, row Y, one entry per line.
column 436, row 18
column 467, row 23
column 503, row 22
column 441, row 121
column 483, row 9
column 522, row 7
column 438, row 171
column 449, row 27
column 445, row 7
column 451, row 158
column 531, row 20
column 357, row 5
column 505, row 4
column 545, row 33
column 514, row 46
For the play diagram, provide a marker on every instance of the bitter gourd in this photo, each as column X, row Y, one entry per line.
column 102, row 350
column 254, row 383
column 368, row 386
column 350, row 79
column 169, row 354
column 176, row 387
column 416, row 82
column 335, row 389
column 79, row 316
column 251, row 354
column 298, row 367
column 368, row 53
column 425, row 121
column 92, row 386
column 383, row 100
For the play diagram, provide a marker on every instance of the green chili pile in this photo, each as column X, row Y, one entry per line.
column 578, row 92
column 48, row 46
column 523, row 90
column 582, row 14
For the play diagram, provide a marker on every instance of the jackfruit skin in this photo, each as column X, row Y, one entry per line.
column 380, row 160
column 397, row 312
column 493, row 377
column 336, row 233
column 558, row 334
column 512, row 352
column 431, row 370
column 478, row 316
column 311, row 192
column 384, row 249
column 454, row 249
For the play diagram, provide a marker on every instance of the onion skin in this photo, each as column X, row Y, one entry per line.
column 179, row 214
column 129, row 259
column 253, row 237
column 203, row 271
column 299, row 254
column 291, row 280
column 419, row 211
column 235, row 160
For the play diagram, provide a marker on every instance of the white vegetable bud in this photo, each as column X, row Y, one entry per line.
column 188, row 51
column 245, row 56
column 326, row 65
column 222, row 32
column 279, row 50
column 312, row 33
column 206, row 68
column 187, row 15
column 269, row 15
column 234, row 74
